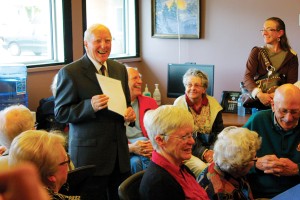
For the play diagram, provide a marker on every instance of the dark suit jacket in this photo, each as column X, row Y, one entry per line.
column 94, row 138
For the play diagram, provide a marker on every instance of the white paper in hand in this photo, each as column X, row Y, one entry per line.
column 113, row 89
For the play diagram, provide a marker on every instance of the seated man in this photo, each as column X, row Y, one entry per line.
column 278, row 160
column 140, row 147
column 13, row 120
column 46, row 150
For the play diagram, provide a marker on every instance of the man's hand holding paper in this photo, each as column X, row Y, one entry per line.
column 99, row 102
column 113, row 90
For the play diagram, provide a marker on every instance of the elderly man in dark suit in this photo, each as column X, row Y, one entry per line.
column 97, row 135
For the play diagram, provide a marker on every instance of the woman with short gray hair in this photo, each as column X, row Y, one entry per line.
column 13, row 121
column 170, row 130
column 207, row 117
column 234, row 155
column 166, row 122
column 196, row 73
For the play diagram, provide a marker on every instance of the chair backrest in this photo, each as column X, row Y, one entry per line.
column 129, row 189
column 76, row 179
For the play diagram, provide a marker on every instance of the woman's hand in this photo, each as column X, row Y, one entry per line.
column 208, row 156
column 265, row 98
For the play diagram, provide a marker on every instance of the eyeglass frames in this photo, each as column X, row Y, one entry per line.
column 184, row 138
column 68, row 161
column 268, row 30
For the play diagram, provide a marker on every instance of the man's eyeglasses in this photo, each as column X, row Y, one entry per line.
column 269, row 30
column 68, row 161
column 295, row 113
column 184, row 138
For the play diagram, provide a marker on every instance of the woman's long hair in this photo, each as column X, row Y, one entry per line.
column 284, row 43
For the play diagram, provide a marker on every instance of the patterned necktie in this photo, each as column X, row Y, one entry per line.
column 102, row 70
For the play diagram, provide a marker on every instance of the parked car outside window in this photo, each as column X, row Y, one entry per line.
column 30, row 37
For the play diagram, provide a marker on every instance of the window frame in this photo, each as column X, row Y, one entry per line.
column 67, row 31
column 67, row 36
column 137, row 32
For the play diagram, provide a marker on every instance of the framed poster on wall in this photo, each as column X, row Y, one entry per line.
column 176, row 19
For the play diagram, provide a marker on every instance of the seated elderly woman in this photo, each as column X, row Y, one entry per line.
column 234, row 155
column 170, row 130
column 13, row 120
column 207, row 117
column 46, row 151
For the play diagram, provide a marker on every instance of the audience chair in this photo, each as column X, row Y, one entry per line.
column 76, row 179
column 129, row 189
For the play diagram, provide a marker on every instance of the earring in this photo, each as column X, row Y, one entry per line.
column 278, row 39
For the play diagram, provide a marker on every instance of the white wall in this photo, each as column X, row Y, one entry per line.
column 229, row 29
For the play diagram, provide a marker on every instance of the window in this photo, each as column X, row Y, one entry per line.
column 121, row 17
column 33, row 32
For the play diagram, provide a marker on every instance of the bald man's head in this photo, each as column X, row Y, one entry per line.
column 134, row 83
column 286, row 106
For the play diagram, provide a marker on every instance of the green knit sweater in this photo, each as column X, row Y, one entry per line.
column 283, row 144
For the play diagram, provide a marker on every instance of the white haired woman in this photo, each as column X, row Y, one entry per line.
column 234, row 155
column 170, row 130
column 13, row 121
column 207, row 117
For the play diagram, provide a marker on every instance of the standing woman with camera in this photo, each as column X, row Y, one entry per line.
column 282, row 58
